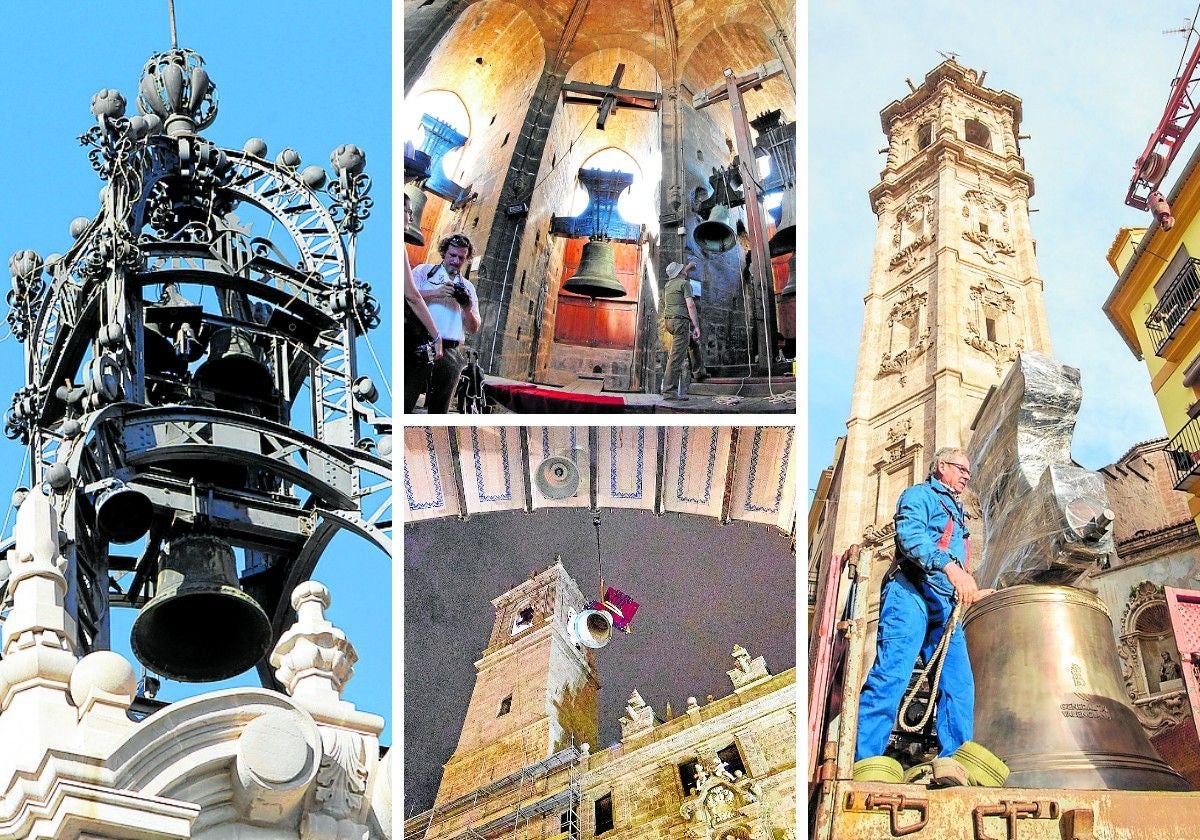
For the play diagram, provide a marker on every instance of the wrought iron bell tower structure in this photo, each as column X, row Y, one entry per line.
column 191, row 385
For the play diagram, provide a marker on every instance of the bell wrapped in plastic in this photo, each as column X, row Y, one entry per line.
column 200, row 626
column 597, row 273
column 716, row 235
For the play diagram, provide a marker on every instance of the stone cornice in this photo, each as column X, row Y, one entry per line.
column 964, row 79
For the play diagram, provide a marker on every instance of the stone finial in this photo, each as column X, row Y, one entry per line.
column 38, row 634
column 748, row 671
column 639, row 716
column 314, row 660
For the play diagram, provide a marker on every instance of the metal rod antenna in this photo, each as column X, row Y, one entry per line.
column 599, row 566
column 171, row 13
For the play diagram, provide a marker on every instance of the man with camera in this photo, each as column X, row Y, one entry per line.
column 455, row 308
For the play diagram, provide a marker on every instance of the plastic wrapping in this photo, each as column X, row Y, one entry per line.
column 1045, row 519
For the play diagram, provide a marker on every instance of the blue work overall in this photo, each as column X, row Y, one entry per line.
column 914, row 610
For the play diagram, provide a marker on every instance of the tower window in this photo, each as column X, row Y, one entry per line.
column 505, row 706
column 604, row 814
column 687, row 776
column 523, row 621
column 732, row 757
column 924, row 135
column 983, row 228
column 978, row 135
column 990, row 327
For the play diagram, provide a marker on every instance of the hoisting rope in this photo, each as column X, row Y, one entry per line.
column 936, row 661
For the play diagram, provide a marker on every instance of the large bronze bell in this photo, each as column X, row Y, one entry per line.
column 416, row 199
column 784, row 239
column 597, row 273
column 200, row 626
column 1049, row 698
column 716, row 235
column 235, row 372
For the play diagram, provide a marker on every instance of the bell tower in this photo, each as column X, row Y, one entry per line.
column 954, row 295
column 536, row 691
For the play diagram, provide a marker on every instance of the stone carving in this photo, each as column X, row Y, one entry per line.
column 991, row 248
column 1155, row 712
column 342, row 776
column 874, row 536
column 1001, row 354
column 908, row 257
column 916, row 216
column 908, row 306
column 723, row 806
column 898, row 362
column 983, row 198
column 639, row 716
column 899, row 432
column 998, row 297
column 748, row 670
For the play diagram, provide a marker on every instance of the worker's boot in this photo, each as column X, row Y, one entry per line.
column 947, row 772
column 669, row 392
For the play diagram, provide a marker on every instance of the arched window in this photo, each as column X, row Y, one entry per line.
column 978, row 135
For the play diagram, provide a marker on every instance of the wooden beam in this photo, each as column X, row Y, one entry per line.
column 751, row 79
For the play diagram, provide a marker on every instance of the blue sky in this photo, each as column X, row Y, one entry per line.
column 305, row 74
column 1093, row 79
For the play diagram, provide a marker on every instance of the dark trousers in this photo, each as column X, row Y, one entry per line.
column 443, row 380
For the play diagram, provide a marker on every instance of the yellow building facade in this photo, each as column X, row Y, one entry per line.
column 1154, row 308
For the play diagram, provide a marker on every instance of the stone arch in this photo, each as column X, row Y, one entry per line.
column 491, row 60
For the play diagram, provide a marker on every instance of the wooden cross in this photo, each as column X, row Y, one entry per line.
column 607, row 99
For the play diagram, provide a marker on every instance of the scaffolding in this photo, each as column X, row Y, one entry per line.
column 543, row 798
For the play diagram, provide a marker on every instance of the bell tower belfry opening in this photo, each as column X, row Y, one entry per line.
column 536, row 691
column 954, row 295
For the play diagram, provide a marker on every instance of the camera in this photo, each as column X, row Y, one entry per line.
column 459, row 290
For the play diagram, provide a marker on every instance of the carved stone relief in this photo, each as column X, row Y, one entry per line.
column 993, row 295
column 982, row 209
column 1155, row 711
column 913, row 229
column 724, row 805
column 899, row 362
column 904, row 319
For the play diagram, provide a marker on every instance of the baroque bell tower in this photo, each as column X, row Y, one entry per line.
column 954, row 296
column 536, row 692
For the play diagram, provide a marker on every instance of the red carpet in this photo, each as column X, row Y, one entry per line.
column 530, row 399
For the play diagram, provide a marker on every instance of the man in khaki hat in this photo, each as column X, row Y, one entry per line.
column 683, row 325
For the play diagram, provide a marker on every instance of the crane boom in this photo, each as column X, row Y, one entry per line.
column 1178, row 119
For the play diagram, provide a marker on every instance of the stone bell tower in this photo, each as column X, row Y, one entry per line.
column 536, row 691
column 954, row 295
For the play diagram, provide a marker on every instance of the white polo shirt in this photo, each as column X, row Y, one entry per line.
column 447, row 315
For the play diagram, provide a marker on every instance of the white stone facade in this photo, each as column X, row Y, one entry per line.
column 243, row 763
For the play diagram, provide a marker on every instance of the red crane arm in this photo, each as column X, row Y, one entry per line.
column 1177, row 121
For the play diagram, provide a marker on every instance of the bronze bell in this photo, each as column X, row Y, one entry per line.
column 200, row 626
column 235, row 372
column 1049, row 697
column 597, row 273
column 716, row 236
column 784, row 239
column 416, row 197
column 123, row 514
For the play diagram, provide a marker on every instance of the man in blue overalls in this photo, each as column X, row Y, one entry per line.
column 930, row 574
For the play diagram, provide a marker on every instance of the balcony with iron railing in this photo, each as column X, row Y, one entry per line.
column 1184, row 457
column 1175, row 306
